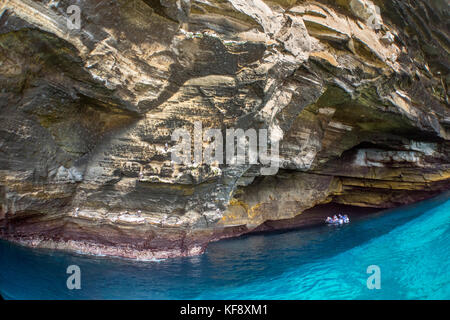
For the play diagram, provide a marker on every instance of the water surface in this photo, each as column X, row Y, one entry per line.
column 411, row 245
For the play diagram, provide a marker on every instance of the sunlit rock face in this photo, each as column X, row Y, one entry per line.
column 355, row 91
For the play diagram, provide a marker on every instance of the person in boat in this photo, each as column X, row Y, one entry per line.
column 346, row 219
column 333, row 220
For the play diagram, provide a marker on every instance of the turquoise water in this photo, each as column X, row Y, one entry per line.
column 411, row 245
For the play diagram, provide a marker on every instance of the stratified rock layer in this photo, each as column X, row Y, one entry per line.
column 357, row 98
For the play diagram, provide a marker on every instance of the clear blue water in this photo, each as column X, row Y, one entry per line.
column 411, row 245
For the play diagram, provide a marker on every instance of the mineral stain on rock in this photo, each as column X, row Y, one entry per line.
column 86, row 116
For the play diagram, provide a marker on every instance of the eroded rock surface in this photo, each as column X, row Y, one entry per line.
column 355, row 91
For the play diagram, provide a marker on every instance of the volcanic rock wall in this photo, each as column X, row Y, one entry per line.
column 354, row 91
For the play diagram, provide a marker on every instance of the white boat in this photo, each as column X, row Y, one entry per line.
column 338, row 221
